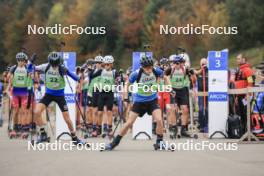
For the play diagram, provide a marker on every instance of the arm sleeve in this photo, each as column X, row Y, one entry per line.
column 73, row 75
column 133, row 77
column 98, row 73
column 248, row 72
column 12, row 69
column 41, row 67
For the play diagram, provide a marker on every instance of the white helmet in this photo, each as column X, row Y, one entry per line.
column 186, row 58
column 109, row 59
column 172, row 57
column 98, row 59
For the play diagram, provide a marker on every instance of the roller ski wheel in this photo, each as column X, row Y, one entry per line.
column 104, row 135
column 163, row 148
column 195, row 136
column 24, row 135
column 12, row 134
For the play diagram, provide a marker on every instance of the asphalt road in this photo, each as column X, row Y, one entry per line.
column 130, row 158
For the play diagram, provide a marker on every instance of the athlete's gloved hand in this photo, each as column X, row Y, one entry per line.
column 173, row 93
column 33, row 58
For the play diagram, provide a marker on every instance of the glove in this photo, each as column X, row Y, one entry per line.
column 173, row 93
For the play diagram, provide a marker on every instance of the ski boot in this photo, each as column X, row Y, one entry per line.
column 105, row 133
column 77, row 141
column 43, row 137
column 88, row 133
column 161, row 146
column 173, row 132
column 99, row 131
column 113, row 144
column 184, row 132
column 110, row 133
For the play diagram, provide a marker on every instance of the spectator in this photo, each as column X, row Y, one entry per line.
column 202, row 85
column 243, row 78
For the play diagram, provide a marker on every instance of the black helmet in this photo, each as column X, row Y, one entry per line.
column 146, row 61
column 90, row 61
column 163, row 61
column 21, row 56
column 54, row 59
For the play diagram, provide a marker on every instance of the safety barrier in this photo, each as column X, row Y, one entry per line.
column 248, row 137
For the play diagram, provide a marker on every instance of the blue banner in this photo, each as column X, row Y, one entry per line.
column 70, row 98
column 217, row 96
column 218, row 60
column 69, row 59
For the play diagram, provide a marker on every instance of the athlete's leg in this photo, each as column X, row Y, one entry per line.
column 40, row 107
column 158, row 118
column 185, row 115
column 67, row 119
column 15, row 110
column 130, row 121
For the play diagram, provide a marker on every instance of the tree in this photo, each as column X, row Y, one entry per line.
column 103, row 14
column 248, row 16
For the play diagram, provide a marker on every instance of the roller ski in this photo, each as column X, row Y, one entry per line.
column 108, row 147
column 43, row 137
column 161, row 147
column 185, row 134
column 77, row 141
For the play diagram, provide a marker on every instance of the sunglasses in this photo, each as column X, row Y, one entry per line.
column 21, row 60
column 177, row 63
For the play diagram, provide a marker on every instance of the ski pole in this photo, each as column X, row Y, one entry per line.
column 62, row 44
